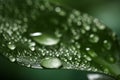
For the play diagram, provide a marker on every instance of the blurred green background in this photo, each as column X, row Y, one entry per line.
column 108, row 11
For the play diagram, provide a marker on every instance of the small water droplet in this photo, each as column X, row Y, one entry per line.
column 58, row 9
column 32, row 48
column 77, row 45
column 87, row 58
column 107, row 44
column 28, row 65
column 51, row 62
column 57, row 33
column 83, row 31
column 11, row 46
column 91, row 52
column 106, row 70
column 45, row 39
column 69, row 58
column 98, row 24
column 12, row 59
column 87, row 27
column 110, row 59
column 79, row 23
column 94, row 38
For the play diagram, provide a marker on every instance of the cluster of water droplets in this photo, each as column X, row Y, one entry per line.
column 44, row 35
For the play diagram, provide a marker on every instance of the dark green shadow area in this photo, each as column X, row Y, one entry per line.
column 13, row 71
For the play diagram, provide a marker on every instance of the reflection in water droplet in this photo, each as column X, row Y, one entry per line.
column 11, row 58
column 11, row 46
column 45, row 39
column 36, row 34
column 94, row 38
column 98, row 76
column 93, row 76
column 107, row 44
column 51, row 62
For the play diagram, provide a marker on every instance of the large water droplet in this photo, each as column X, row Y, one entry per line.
column 45, row 39
column 51, row 62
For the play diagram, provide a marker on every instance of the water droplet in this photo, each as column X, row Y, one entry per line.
column 57, row 33
column 32, row 43
column 32, row 48
column 69, row 58
column 83, row 31
column 94, row 38
column 87, row 27
column 87, row 58
column 12, row 59
column 91, row 52
column 45, row 39
column 11, row 46
column 107, row 44
column 110, row 59
column 51, row 62
column 77, row 45
column 98, row 24
column 79, row 23
column 58, row 9
column 106, row 70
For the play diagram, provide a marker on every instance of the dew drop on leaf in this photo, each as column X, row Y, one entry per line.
column 91, row 52
column 45, row 39
column 94, row 38
column 51, row 62
column 107, row 44
column 12, row 59
column 110, row 59
column 11, row 46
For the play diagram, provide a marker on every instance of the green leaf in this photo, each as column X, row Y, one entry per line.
column 35, row 33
